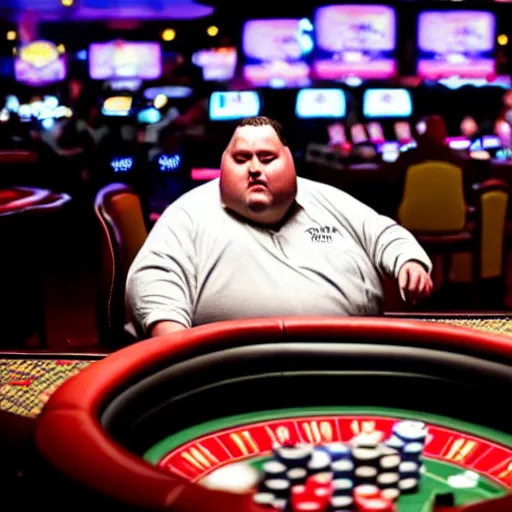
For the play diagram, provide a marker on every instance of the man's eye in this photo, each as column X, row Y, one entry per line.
column 267, row 159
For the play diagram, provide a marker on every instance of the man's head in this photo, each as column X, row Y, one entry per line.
column 468, row 127
column 258, row 179
column 436, row 129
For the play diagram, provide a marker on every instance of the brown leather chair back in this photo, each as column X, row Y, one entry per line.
column 122, row 233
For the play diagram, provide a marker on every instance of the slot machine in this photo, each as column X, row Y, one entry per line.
column 387, row 112
column 320, row 115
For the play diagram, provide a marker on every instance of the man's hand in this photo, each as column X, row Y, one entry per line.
column 414, row 282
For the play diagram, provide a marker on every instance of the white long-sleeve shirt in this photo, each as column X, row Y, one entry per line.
column 201, row 264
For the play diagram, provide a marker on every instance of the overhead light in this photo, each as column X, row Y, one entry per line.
column 212, row 30
column 168, row 34
column 502, row 39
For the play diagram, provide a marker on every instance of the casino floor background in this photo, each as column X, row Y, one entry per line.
column 71, row 257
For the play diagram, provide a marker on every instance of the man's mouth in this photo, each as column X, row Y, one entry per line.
column 257, row 184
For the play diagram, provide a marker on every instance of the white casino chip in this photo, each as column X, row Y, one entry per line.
column 238, row 478
column 391, row 494
column 372, row 438
column 411, row 430
column 466, row 480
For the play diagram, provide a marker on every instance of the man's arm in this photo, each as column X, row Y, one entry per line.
column 388, row 244
column 391, row 245
column 166, row 327
column 161, row 282
column 396, row 251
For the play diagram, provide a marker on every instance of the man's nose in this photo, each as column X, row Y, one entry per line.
column 254, row 168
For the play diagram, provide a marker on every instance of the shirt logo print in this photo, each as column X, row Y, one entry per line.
column 323, row 234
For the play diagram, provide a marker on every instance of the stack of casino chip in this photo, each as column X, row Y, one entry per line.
column 314, row 496
column 408, row 437
column 370, row 498
column 296, row 460
column 363, row 475
column 342, row 470
column 274, row 487
column 319, row 495
column 377, row 465
column 287, row 469
column 366, row 455
column 388, row 479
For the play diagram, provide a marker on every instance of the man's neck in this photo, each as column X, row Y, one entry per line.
column 272, row 226
column 291, row 212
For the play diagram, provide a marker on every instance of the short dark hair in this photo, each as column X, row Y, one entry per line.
column 264, row 121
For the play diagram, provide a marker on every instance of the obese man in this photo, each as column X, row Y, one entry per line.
column 262, row 242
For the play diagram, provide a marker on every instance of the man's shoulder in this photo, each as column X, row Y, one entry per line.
column 314, row 190
column 200, row 197
column 200, row 202
column 321, row 196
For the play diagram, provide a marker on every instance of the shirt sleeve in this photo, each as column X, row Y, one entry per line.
column 161, row 282
column 388, row 244
column 391, row 245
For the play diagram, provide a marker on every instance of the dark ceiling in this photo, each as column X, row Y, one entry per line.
column 105, row 9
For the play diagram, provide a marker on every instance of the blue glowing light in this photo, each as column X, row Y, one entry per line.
column 123, row 164
column 169, row 163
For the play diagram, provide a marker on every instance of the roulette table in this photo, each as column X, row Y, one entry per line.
column 214, row 414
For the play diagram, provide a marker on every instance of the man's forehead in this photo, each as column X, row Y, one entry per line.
column 255, row 137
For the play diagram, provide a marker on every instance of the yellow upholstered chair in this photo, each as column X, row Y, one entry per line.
column 433, row 199
column 491, row 199
column 122, row 233
column 434, row 209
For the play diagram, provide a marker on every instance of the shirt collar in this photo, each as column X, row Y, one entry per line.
column 300, row 197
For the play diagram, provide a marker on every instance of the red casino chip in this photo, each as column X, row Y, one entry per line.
column 377, row 504
column 308, row 504
column 368, row 498
column 320, row 480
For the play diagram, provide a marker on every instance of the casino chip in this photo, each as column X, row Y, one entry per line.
column 369, row 473
column 370, row 497
column 466, row 480
column 410, row 431
column 237, row 478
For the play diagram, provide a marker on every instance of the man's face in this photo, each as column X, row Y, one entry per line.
column 258, row 179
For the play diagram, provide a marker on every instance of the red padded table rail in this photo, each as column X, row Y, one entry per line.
column 69, row 423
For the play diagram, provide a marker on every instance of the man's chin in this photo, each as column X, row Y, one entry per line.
column 258, row 206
